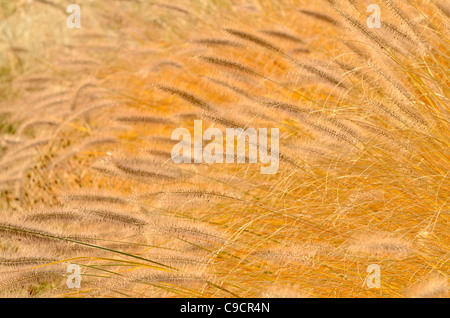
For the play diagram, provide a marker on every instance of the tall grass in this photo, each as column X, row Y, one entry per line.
column 364, row 151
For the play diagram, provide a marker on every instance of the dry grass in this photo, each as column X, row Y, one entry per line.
column 85, row 123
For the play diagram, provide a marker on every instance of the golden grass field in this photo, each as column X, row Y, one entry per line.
column 86, row 175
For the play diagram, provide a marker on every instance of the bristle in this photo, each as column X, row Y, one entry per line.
column 349, row 167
